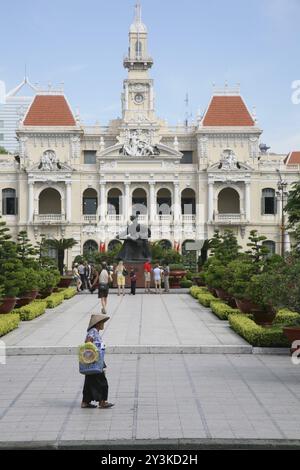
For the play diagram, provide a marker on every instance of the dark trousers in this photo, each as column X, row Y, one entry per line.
column 133, row 287
column 95, row 388
column 83, row 280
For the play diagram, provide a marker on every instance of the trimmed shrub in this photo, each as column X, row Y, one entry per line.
column 257, row 335
column 8, row 322
column 285, row 316
column 206, row 298
column 54, row 299
column 68, row 293
column 223, row 310
column 195, row 290
column 32, row 310
column 186, row 283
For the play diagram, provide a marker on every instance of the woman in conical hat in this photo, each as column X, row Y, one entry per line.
column 96, row 386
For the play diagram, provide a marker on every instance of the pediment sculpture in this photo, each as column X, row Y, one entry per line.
column 50, row 162
column 138, row 144
column 228, row 160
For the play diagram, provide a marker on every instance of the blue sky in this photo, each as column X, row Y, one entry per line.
column 194, row 43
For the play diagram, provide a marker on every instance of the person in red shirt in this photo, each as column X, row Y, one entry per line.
column 147, row 274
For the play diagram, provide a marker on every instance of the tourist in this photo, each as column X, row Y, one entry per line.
column 76, row 277
column 96, row 386
column 166, row 273
column 103, row 289
column 121, row 272
column 157, row 278
column 147, row 275
column 94, row 278
column 81, row 270
column 133, row 280
column 88, row 273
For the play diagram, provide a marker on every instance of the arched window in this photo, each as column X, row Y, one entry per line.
column 139, row 201
column 271, row 246
column 268, row 203
column 165, row 244
column 9, row 202
column 138, row 49
column 49, row 201
column 89, row 202
column 114, row 202
column 188, row 202
column 228, row 201
column 113, row 244
column 164, row 201
column 89, row 247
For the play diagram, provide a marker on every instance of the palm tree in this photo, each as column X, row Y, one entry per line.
column 61, row 246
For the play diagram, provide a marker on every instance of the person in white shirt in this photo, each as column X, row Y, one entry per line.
column 157, row 278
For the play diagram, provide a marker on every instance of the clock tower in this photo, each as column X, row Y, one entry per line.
column 138, row 95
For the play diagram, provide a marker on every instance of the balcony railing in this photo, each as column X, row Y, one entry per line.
column 90, row 218
column 114, row 218
column 164, row 219
column 188, row 218
column 229, row 218
column 49, row 218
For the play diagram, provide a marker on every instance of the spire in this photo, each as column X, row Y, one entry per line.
column 138, row 26
column 138, row 12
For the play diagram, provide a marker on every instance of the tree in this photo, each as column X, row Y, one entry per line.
column 60, row 246
column 12, row 275
column 26, row 251
column 293, row 206
column 3, row 150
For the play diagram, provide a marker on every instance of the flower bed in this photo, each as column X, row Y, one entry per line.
column 31, row 311
column 8, row 322
column 257, row 335
column 222, row 310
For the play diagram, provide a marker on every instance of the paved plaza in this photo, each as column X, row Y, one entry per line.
column 174, row 397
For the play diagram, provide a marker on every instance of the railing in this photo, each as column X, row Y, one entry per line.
column 229, row 218
column 143, row 218
column 188, row 218
column 114, row 218
column 164, row 219
column 90, row 218
column 49, row 218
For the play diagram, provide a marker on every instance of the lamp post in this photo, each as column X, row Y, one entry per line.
column 282, row 194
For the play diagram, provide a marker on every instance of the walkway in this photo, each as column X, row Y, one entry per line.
column 143, row 323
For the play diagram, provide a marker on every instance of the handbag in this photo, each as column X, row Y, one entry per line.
column 91, row 360
column 125, row 272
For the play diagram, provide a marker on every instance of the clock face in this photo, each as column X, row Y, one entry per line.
column 139, row 98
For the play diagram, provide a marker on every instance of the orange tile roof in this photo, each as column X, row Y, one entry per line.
column 293, row 158
column 49, row 110
column 227, row 111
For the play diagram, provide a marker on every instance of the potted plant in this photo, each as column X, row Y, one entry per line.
column 177, row 272
column 48, row 279
column 61, row 246
column 29, row 288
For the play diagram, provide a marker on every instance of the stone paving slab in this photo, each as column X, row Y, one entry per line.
column 141, row 322
column 172, row 397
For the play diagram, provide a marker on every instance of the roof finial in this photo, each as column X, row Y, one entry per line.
column 138, row 12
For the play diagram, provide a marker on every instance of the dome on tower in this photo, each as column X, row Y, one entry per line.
column 138, row 26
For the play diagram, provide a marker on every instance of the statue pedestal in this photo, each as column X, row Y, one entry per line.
column 138, row 267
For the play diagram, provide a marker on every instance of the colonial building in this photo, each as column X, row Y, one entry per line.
column 71, row 180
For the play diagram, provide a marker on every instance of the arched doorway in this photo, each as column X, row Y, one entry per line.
column 89, row 247
column 139, row 202
column 228, row 201
column 188, row 202
column 113, row 245
column 114, row 202
column 165, row 244
column 164, row 201
column 90, row 202
column 50, row 201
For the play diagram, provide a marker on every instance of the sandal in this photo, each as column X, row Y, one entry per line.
column 88, row 405
column 106, row 405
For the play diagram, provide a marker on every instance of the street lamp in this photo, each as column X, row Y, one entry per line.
column 282, row 194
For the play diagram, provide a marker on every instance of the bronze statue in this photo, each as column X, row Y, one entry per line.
column 136, row 244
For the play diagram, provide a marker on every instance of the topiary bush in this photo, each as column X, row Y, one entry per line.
column 186, row 283
column 285, row 316
column 33, row 310
column 206, row 298
column 54, row 300
column 195, row 290
column 257, row 335
column 68, row 293
column 8, row 322
column 222, row 310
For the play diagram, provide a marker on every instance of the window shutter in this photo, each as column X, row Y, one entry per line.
column 263, row 206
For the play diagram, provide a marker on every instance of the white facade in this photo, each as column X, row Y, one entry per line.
column 185, row 181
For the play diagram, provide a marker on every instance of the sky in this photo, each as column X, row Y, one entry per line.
column 194, row 43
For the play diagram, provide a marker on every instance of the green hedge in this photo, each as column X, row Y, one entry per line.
column 32, row 310
column 206, row 298
column 69, row 292
column 8, row 322
column 195, row 290
column 54, row 299
column 257, row 335
column 222, row 310
column 186, row 283
column 285, row 317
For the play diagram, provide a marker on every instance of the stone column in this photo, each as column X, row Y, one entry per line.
column 103, row 201
column 69, row 201
column 287, row 242
column 30, row 202
column 127, row 202
column 210, row 202
column 247, row 202
column 152, row 211
column 177, row 204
